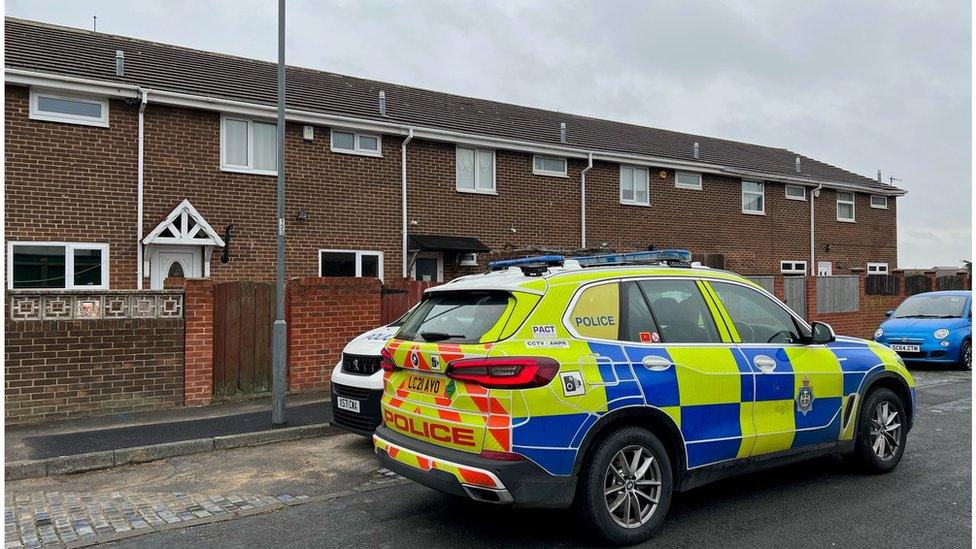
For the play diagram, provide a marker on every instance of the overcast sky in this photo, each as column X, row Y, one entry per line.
column 861, row 85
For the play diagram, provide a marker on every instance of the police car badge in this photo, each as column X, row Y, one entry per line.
column 804, row 399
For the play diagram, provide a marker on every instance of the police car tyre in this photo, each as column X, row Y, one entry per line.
column 881, row 432
column 625, row 486
column 966, row 355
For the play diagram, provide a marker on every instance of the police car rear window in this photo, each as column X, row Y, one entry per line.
column 456, row 317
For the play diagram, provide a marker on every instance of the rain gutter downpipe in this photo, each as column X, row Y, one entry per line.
column 589, row 165
column 139, row 172
column 403, row 197
column 813, row 195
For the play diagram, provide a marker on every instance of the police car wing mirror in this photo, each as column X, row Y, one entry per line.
column 822, row 333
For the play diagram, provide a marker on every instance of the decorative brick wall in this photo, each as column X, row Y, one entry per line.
column 323, row 315
column 56, row 369
column 199, row 337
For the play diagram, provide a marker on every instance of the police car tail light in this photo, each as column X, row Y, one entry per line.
column 502, row 456
column 386, row 360
column 504, row 372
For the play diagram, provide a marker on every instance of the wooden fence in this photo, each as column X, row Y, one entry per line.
column 838, row 294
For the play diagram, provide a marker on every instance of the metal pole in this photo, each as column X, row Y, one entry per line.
column 279, row 332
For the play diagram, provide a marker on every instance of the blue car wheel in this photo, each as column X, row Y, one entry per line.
column 966, row 355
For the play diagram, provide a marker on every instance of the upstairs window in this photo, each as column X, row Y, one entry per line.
column 475, row 170
column 688, row 180
column 366, row 144
column 879, row 202
column 68, row 109
column 753, row 197
column 845, row 207
column 355, row 263
column 549, row 165
column 796, row 192
column 248, row 146
column 63, row 265
column 634, row 186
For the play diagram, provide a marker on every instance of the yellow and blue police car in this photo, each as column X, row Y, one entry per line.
column 614, row 381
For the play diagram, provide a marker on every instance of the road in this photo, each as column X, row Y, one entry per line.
column 926, row 501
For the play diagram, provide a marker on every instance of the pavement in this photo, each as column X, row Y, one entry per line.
column 330, row 492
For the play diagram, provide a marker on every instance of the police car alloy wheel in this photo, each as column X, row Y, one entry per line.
column 881, row 430
column 625, row 486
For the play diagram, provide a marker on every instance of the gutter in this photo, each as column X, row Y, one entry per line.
column 588, row 167
column 813, row 196
column 403, row 197
column 139, row 187
column 31, row 78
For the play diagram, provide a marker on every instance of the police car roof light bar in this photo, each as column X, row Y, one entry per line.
column 527, row 262
column 673, row 257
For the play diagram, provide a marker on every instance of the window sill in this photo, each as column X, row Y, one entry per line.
column 231, row 169
column 688, row 187
column 753, row 213
column 475, row 191
column 797, row 198
column 879, row 207
column 846, row 220
column 357, row 153
column 68, row 120
column 638, row 204
column 551, row 174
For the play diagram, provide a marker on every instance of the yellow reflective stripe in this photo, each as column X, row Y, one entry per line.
column 733, row 332
column 717, row 318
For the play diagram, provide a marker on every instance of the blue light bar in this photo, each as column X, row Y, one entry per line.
column 635, row 257
column 536, row 261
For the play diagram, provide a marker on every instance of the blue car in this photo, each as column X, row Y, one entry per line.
column 932, row 327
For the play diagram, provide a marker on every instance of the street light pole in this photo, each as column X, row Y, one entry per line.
column 279, row 331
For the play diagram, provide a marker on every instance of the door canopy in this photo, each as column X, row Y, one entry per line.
column 184, row 226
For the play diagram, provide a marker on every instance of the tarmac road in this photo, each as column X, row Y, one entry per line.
column 926, row 502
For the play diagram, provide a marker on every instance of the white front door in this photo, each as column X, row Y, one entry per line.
column 174, row 261
column 429, row 266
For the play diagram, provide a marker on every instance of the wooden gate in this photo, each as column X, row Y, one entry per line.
column 795, row 294
column 399, row 295
column 243, row 318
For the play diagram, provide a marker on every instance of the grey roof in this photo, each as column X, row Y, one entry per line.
column 80, row 53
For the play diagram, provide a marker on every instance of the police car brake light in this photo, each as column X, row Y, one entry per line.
column 502, row 456
column 510, row 372
column 386, row 360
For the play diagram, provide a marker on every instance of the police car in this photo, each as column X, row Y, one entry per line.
column 615, row 381
column 357, row 381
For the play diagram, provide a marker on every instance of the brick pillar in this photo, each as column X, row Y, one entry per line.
column 811, row 298
column 966, row 283
column 198, row 313
column 778, row 289
column 900, row 275
column 933, row 285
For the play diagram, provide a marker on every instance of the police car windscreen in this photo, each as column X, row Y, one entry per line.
column 455, row 317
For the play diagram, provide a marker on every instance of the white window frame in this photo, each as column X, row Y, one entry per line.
column 439, row 256
column 359, row 260
column 789, row 267
column 356, row 136
column 550, row 173
column 696, row 187
column 853, row 207
column 69, row 263
column 803, row 190
column 647, row 179
column 881, row 196
column 476, row 189
column 249, row 168
column 35, row 114
column 878, row 269
column 762, row 193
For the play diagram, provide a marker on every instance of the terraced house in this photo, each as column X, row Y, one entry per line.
column 128, row 161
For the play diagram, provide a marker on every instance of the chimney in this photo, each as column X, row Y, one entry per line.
column 695, row 150
column 879, row 178
column 797, row 164
column 562, row 132
column 382, row 103
column 119, row 63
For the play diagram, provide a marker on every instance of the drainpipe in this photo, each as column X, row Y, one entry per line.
column 813, row 195
column 403, row 198
column 589, row 165
column 139, row 171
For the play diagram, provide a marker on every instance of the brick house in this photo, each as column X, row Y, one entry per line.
column 128, row 161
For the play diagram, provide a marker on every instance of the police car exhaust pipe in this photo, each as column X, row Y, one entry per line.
column 487, row 495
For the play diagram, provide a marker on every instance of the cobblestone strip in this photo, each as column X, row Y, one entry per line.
column 39, row 519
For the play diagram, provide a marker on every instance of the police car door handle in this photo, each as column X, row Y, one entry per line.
column 656, row 363
column 765, row 364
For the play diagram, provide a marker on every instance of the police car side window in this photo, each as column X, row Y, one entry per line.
column 596, row 313
column 680, row 311
column 757, row 318
column 636, row 322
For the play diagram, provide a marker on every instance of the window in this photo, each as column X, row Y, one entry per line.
column 796, row 192
column 634, row 186
column 248, row 146
column 793, row 267
column 879, row 202
column 845, row 207
column 877, row 268
column 351, row 263
column 458, row 317
column 680, row 311
column 66, row 265
column 475, row 170
column 549, row 165
column 688, row 180
column 69, row 109
column 596, row 313
column 636, row 322
column 757, row 318
column 753, row 197
column 367, row 144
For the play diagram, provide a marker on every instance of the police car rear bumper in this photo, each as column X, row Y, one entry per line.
column 519, row 483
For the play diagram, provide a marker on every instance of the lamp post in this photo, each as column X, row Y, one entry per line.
column 279, row 330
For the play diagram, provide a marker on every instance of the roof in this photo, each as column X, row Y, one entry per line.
column 52, row 49
column 445, row 243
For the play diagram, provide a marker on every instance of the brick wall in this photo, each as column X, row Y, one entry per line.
column 198, row 306
column 55, row 369
column 323, row 315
